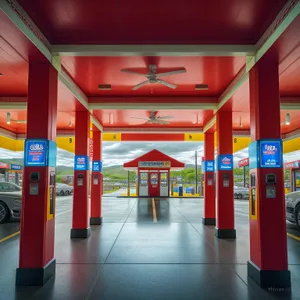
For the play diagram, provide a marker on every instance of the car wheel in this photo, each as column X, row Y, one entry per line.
column 297, row 215
column 67, row 193
column 61, row 193
column 235, row 196
column 4, row 213
column 240, row 196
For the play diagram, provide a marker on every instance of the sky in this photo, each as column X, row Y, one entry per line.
column 118, row 153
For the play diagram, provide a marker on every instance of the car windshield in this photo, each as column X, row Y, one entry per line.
column 9, row 187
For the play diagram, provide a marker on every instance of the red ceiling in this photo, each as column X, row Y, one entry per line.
column 116, row 22
column 148, row 22
column 89, row 72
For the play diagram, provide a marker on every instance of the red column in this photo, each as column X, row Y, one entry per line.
column 80, row 218
column 36, row 257
column 209, row 181
column 97, row 178
column 268, row 265
column 224, row 177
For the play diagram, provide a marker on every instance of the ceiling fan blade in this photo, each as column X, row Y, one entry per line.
column 165, row 117
column 170, row 85
column 138, row 118
column 162, row 122
column 171, row 72
column 132, row 72
column 140, row 85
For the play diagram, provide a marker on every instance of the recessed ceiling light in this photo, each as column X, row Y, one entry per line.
column 201, row 87
column 104, row 87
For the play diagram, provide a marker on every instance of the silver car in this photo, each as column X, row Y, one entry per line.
column 240, row 192
column 10, row 201
column 292, row 207
column 63, row 189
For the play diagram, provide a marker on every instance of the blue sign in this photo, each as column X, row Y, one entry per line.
column 225, row 162
column 270, row 154
column 15, row 167
column 81, row 163
column 97, row 166
column 35, row 153
column 209, row 165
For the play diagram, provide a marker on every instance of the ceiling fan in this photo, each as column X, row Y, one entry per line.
column 152, row 76
column 154, row 119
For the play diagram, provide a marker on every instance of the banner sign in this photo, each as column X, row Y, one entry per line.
column 243, row 162
column 154, row 164
column 97, row 166
column 270, row 154
column 225, row 162
column 81, row 163
column 15, row 167
column 209, row 166
column 3, row 165
column 35, row 153
column 292, row 164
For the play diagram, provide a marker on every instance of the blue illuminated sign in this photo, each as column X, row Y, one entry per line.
column 225, row 162
column 97, row 166
column 270, row 154
column 81, row 163
column 209, row 166
column 15, row 167
column 35, row 152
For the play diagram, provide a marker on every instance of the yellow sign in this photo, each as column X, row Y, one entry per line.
column 193, row 137
column 110, row 137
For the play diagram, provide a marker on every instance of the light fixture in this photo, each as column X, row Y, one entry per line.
column 111, row 118
column 10, row 120
column 287, row 119
column 241, row 125
column 201, row 87
column 104, row 87
column 1, row 74
column 70, row 123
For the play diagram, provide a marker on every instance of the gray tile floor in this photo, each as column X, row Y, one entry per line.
column 133, row 257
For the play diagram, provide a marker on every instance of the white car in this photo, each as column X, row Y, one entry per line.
column 292, row 207
column 63, row 189
column 240, row 192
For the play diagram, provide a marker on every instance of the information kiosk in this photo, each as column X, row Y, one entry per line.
column 153, row 173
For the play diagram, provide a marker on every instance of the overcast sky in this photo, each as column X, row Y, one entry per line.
column 118, row 153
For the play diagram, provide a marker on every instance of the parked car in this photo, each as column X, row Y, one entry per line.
column 10, row 201
column 63, row 189
column 240, row 192
column 292, row 207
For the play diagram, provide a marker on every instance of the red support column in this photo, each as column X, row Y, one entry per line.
column 36, row 257
column 97, row 178
column 80, row 218
column 224, row 177
column 209, row 180
column 268, row 265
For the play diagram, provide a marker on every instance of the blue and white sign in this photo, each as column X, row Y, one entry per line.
column 225, row 162
column 97, row 166
column 81, row 163
column 36, row 152
column 209, row 165
column 270, row 154
column 15, row 167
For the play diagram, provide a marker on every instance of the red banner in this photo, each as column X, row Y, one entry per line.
column 243, row 162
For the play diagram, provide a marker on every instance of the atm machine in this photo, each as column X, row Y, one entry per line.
column 164, row 184
column 143, row 184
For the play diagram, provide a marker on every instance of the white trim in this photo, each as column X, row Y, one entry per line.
column 146, row 130
column 161, row 106
column 96, row 123
column 13, row 105
column 209, row 124
column 153, row 50
column 8, row 134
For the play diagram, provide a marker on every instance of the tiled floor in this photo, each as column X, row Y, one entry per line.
column 133, row 257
